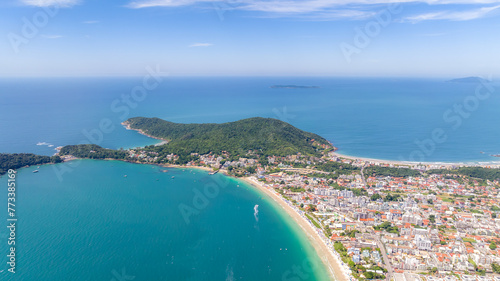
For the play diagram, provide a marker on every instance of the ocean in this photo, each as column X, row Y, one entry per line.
column 423, row 120
column 93, row 223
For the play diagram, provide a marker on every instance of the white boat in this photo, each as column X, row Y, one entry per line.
column 35, row 171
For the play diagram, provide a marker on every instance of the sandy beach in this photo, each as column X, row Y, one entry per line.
column 396, row 162
column 333, row 264
column 208, row 169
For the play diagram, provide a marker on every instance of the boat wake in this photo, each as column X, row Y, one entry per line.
column 256, row 213
column 45, row 143
column 229, row 274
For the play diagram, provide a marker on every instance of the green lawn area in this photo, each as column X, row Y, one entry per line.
column 469, row 240
column 313, row 221
column 446, row 198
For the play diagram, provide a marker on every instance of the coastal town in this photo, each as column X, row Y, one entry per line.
column 381, row 219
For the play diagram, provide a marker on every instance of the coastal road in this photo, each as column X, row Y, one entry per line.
column 363, row 175
column 390, row 272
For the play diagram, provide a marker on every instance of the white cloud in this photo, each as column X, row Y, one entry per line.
column 200, row 45
column 47, row 3
column 329, row 9
column 453, row 15
column 164, row 3
column 328, row 15
column 51, row 36
column 90, row 21
column 293, row 6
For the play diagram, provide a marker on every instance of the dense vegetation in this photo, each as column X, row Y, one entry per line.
column 92, row 151
column 474, row 172
column 392, row 172
column 264, row 136
column 339, row 167
column 392, row 197
column 495, row 267
column 387, row 226
column 18, row 160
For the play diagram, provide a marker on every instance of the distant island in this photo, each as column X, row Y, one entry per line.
column 472, row 79
column 293, row 87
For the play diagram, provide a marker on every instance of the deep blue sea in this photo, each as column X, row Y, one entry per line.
column 395, row 119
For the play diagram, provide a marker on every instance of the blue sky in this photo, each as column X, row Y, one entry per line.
column 433, row 38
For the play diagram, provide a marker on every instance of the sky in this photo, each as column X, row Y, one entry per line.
column 354, row 38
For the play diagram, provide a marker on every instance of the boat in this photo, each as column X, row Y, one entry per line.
column 35, row 171
column 173, row 177
column 125, row 176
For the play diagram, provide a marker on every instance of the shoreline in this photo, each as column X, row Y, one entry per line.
column 400, row 162
column 359, row 158
column 325, row 253
column 137, row 162
column 127, row 126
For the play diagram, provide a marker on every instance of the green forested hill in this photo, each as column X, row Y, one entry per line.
column 18, row 160
column 92, row 151
column 265, row 136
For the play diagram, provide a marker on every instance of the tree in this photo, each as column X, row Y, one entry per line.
column 251, row 169
column 391, row 197
column 432, row 218
column 375, row 197
column 493, row 246
column 495, row 267
column 368, row 275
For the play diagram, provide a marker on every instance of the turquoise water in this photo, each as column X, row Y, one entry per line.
column 95, row 224
column 378, row 118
